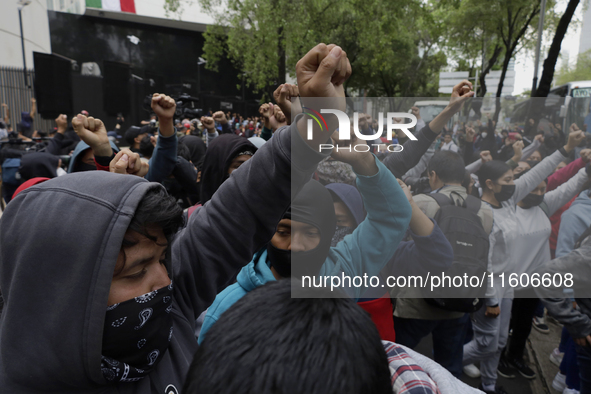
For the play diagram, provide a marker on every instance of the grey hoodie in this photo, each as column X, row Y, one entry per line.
column 59, row 243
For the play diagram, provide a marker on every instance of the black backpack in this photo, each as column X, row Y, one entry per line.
column 464, row 231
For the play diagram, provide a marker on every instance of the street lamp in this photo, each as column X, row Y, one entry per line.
column 22, row 4
column 199, row 63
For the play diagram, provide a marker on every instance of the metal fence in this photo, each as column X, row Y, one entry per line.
column 17, row 95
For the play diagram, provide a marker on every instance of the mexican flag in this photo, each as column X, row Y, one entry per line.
column 113, row 5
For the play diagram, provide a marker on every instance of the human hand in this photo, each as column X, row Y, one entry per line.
column 322, row 72
column 539, row 137
column 62, row 123
column 93, row 132
column 492, row 312
column 362, row 161
column 128, row 162
column 574, row 138
column 586, row 155
column 460, row 93
column 280, row 118
column 518, row 148
column 163, row 106
column 470, row 134
column 283, row 95
column 586, row 341
column 220, row 117
column 208, row 123
column 485, row 156
column 406, row 190
column 416, row 111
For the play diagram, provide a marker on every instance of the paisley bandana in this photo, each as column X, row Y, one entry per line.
column 136, row 335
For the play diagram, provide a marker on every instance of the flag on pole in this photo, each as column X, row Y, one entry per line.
column 113, row 5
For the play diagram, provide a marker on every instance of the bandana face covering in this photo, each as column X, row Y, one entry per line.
column 136, row 335
column 505, row 193
column 340, row 233
column 532, row 200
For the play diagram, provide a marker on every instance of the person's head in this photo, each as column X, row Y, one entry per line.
column 535, row 197
column 147, row 146
column 348, row 208
column 521, row 166
column 447, row 138
column 38, row 164
column 496, row 179
column 560, row 166
column 269, row 342
column 224, row 155
column 304, row 234
column 102, row 262
column 536, row 156
column 504, row 133
column 134, row 135
column 445, row 168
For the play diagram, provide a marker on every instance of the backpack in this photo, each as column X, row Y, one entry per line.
column 464, row 231
column 10, row 175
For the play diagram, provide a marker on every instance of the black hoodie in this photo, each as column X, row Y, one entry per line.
column 59, row 243
column 38, row 164
column 220, row 153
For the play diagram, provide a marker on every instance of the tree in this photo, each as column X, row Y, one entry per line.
column 580, row 72
column 393, row 45
column 550, row 63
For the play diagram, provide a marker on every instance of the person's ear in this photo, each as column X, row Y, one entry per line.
column 489, row 184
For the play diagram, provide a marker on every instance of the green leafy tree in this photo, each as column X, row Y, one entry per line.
column 579, row 72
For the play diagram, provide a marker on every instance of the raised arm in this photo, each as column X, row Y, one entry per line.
column 400, row 163
column 163, row 159
column 242, row 216
column 568, row 171
column 528, row 182
column 556, row 198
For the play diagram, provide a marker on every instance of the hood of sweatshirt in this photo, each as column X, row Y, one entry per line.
column 79, row 152
column 351, row 197
column 38, row 164
column 583, row 200
column 59, row 242
column 220, row 153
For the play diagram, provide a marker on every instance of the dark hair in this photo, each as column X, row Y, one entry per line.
column 517, row 176
column 492, row 170
column 183, row 151
column 269, row 342
column 467, row 180
column 146, row 147
column 155, row 208
column 448, row 165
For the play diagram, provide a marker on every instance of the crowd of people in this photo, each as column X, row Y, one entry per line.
column 168, row 258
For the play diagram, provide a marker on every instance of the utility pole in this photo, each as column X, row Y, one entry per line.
column 534, row 85
column 22, row 4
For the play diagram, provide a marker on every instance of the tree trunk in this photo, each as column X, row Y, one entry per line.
column 490, row 64
column 550, row 63
column 281, row 61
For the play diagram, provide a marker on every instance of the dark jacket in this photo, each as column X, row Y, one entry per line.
column 56, row 280
column 400, row 162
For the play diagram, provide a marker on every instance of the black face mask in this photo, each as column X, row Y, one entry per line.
column 85, row 167
column 280, row 259
column 532, row 200
column 340, row 233
column 506, row 193
column 136, row 335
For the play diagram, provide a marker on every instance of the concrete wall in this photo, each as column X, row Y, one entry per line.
column 35, row 31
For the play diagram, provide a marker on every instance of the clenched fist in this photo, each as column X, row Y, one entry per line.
column 93, row 132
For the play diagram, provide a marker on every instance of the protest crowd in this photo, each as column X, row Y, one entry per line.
column 166, row 257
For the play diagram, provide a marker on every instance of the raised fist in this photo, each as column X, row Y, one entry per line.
column 208, row 123
column 93, row 132
column 163, row 106
column 220, row 117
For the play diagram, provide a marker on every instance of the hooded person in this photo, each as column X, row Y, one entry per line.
column 429, row 251
column 90, row 304
column 196, row 147
column 83, row 158
column 224, row 154
column 38, row 164
column 301, row 246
